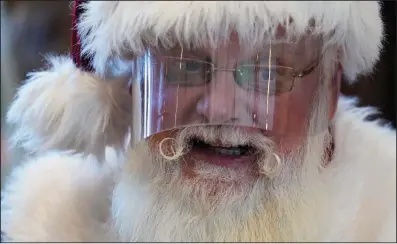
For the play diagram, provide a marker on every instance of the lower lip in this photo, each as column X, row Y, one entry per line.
column 228, row 161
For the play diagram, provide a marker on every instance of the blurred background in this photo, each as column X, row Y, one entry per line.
column 31, row 29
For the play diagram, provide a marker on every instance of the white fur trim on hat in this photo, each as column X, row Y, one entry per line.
column 65, row 108
column 109, row 27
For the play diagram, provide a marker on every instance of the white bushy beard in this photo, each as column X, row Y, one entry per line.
column 152, row 202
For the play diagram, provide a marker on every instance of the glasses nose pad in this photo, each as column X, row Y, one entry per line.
column 236, row 74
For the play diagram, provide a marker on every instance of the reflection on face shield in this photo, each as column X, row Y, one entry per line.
column 177, row 88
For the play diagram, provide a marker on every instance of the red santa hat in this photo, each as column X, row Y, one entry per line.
column 70, row 106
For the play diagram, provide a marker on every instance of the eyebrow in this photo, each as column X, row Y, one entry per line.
column 195, row 52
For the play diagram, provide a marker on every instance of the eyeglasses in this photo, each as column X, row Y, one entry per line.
column 249, row 75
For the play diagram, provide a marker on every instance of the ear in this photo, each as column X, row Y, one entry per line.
column 334, row 91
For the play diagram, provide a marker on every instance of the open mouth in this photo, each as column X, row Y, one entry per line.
column 221, row 154
column 222, row 149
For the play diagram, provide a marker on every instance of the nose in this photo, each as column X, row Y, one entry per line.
column 218, row 103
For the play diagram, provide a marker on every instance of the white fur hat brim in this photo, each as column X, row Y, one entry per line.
column 107, row 28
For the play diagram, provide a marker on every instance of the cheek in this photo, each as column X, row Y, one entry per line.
column 297, row 112
column 172, row 107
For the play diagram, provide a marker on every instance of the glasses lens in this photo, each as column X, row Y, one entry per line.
column 186, row 72
column 265, row 79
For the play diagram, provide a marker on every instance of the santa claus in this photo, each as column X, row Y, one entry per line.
column 204, row 121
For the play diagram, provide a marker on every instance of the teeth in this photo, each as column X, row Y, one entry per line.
column 229, row 152
column 214, row 144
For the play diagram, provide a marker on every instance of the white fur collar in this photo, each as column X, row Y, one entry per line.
column 59, row 197
column 363, row 175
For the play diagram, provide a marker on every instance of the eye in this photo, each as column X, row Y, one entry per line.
column 263, row 79
column 248, row 74
column 193, row 66
column 186, row 72
column 189, row 66
column 267, row 73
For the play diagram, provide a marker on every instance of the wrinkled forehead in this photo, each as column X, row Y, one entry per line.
column 308, row 47
column 111, row 28
column 234, row 45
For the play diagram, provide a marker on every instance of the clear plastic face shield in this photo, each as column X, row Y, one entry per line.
column 273, row 88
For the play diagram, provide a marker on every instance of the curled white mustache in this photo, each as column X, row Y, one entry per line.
column 268, row 161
